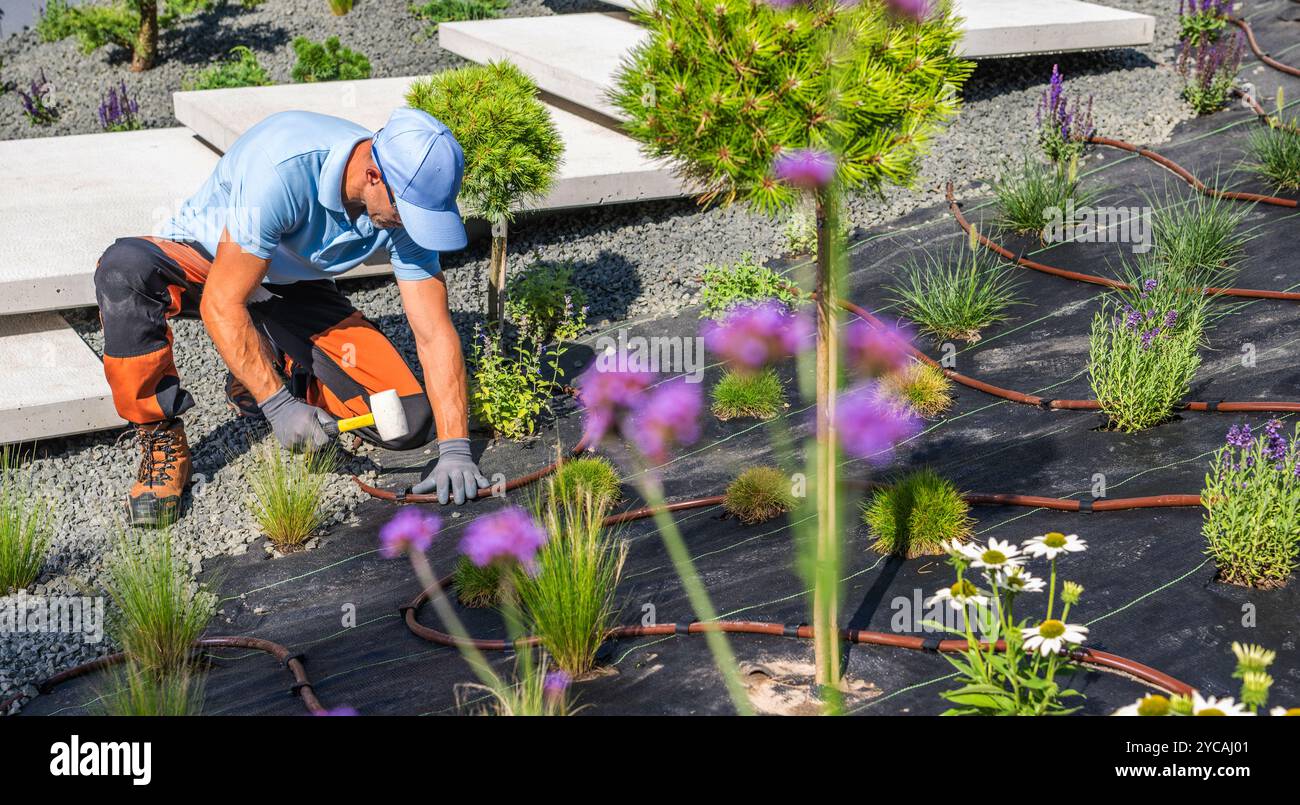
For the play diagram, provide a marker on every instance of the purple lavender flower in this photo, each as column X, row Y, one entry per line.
column 667, row 418
column 606, row 396
column 875, row 351
column 509, row 535
column 805, row 168
column 555, row 683
column 1276, row 446
column 751, row 337
column 870, row 424
column 1062, row 129
column 1149, row 285
column 411, row 529
column 1240, row 436
column 1171, row 317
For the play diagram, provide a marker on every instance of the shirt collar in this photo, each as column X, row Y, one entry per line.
column 330, row 190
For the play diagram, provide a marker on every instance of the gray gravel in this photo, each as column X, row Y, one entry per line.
column 633, row 260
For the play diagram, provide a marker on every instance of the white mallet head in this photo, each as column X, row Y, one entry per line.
column 390, row 416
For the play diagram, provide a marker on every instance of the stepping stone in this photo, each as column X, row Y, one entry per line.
column 51, row 383
column 79, row 194
column 600, row 165
column 575, row 56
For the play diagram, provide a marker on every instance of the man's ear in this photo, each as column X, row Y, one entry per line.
column 373, row 177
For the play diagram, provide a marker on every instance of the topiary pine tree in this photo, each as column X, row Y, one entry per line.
column 758, row 103
column 512, row 149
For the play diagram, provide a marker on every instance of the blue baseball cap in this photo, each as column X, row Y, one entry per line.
column 422, row 164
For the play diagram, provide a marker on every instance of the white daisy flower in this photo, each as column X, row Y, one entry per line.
column 1018, row 580
column 1053, row 543
column 954, row 548
column 1210, row 706
column 1050, row 636
column 1150, row 705
column 959, row 596
column 1284, row 711
column 995, row 556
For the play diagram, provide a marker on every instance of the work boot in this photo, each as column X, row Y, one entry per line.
column 241, row 400
column 155, row 498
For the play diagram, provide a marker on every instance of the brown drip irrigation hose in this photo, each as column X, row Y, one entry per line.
column 302, row 686
column 1259, row 52
column 1186, row 175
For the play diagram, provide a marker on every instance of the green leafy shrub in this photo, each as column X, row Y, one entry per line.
column 437, row 11
column 759, row 395
column 1252, row 506
column 288, row 500
column 477, row 586
column 242, row 69
column 743, row 282
column 135, row 691
column 160, row 611
column 589, row 476
column 1276, row 152
column 1199, row 237
column 25, row 525
column 512, row 148
column 916, row 515
column 327, row 61
column 956, row 295
column 759, row 494
column 1142, row 357
column 1033, row 196
column 515, row 374
column 569, row 601
column 922, row 387
column 542, row 294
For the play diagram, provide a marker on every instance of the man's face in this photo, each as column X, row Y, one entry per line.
column 379, row 203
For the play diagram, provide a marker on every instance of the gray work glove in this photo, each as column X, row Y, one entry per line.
column 455, row 472
column 296, row 424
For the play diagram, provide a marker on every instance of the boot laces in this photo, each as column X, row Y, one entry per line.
column 159, row 447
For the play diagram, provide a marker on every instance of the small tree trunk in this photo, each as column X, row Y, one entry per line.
column 146, row 38
column 826, row 640
column 496, row 305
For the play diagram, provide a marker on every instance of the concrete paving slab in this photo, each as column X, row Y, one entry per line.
column 78, row 195
column 51, row 383
column 995, row 28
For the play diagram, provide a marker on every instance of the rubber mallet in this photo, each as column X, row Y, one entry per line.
column 386, row 415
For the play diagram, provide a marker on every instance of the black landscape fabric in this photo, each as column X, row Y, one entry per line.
column 1150, row 590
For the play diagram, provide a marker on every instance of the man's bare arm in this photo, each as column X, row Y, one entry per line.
column 438, row 345
column 234, row 275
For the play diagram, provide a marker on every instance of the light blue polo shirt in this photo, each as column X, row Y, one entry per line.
column 279, row 192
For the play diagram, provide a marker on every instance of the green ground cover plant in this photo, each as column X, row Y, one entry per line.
column 1033, row 194
column 512, row 149
column 955, row 295
column 436, row 11
column 288, row 493
column 922, row 387
column 755, row 395
column 543, row 294
column 742, row 282
column 1252, row 506
column 589, row 476
column 241, row 69
column 917, row 515
column 759, row 494
column 327, row 61
column 26, row 525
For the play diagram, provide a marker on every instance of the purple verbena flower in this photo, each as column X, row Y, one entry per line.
column 751, row 337
column 869, row 423
column 555, row 683
column 914, row 10
column 805, row 168
column 411, row 529
column 606, row 395
column 667, row 418
column 337, row 711
column 875, row 351
column 508, row 535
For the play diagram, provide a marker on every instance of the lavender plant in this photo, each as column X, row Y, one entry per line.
column 1209, row 70
column 1252, row 506
column 1142, row 358
column 1021, row 679
column 118, row 110
column 36, row 102
column 1063, row 131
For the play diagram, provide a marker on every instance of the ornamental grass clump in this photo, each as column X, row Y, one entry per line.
column 476, row 587
column 288, row 500
column 917, row 515
column 1252, row 506
column 1275, row 150
column 992, row 580
column 327, row 61
column 759, row 494
column 512, row 149
column 592, row 477
column 136, row 691
column 240, row 69
column 921, row 387
column 159, row 609
column 1143, row 354
column 742, row 283
column 1200, row 237
column 26, row 525
column 568, row 598
column 1035, row 198
column 956, row 295
column 1063, row 131
column 752, row 395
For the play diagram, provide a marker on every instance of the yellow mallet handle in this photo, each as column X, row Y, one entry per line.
column 354, row 422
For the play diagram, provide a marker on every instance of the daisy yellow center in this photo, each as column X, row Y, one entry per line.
column 1211, row 711
column 962, row 589
column 1294, row 711
column 1054, row 539
column 1153, row 705
column 1051, row 629
column 993, row 557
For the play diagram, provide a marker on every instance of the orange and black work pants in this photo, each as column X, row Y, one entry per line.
column 333, row 356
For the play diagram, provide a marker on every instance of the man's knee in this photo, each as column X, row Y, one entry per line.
column 419, row 423
column 125, row 269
